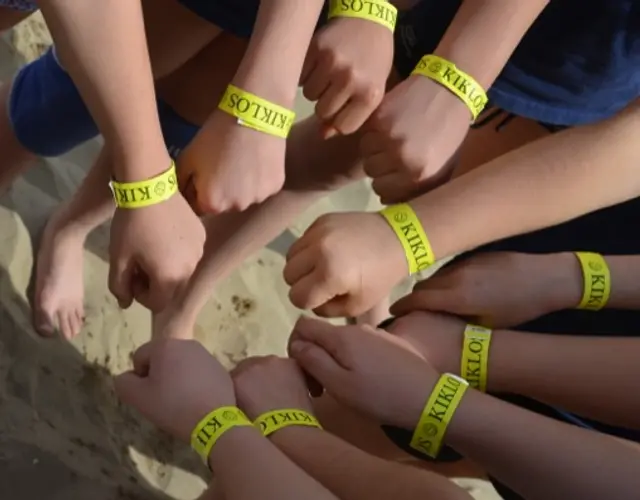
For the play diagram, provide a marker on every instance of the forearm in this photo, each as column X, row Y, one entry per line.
column 352, row 474
column 591, row 376
column 541, row 458
column 484, row 34
column 542, row 184
column 248, row 466
column 273, row 62
column 103, row 47
column 625, row 276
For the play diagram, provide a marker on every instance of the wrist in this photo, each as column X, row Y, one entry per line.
column 235, row 438
column 565, row 281
column 140, row 164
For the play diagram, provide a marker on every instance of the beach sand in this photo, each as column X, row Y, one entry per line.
column 63, row 434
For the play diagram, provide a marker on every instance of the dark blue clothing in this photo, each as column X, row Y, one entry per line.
column 578, row 63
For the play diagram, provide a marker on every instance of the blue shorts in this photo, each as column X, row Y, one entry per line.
column 233, row 16
column 575, row 65
column 49, row 118
column 22, row 5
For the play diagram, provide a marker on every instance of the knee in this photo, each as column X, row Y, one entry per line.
column 46, row 112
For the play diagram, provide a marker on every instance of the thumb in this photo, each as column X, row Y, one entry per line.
column 121, row 275
column 318, row 363
column 426, row 300
column 134, row 391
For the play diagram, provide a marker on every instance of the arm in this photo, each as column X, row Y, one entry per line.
column 278, row 47
column 542, row 184
column 102, row 45
column 592, row 376
column 352, row 474
column 625, row 275
column 484, row 34
column 248, row 467
column 539, row 457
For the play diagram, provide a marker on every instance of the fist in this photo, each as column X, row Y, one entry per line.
column 409, row 141
column 175, row 383
column 345, row 72
column 344, row 264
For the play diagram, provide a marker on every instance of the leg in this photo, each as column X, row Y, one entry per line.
column 59, row 298
column 15, row 157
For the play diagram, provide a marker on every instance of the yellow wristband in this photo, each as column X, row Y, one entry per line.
column 273, row 421
column 437, row 414
column 376, row 11
column 213, row 426
column 257, row 113
column 405, row 223
column 597, row 281
column 145, row 193
column 475, row 356
column 448, row 75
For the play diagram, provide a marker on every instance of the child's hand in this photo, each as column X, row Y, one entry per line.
column 370, row 370
column 409, row 141
column 230, row 167
column 500, row 289
column 175, row 383
column 346, row 71
column 344, row 264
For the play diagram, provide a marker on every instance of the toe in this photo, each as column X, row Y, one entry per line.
column 44, row 322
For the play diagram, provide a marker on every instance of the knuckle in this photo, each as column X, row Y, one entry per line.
column 371, row 95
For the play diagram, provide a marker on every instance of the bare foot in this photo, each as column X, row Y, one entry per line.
column 59, row 293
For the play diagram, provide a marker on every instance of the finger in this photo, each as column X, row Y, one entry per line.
column 371, row 143
column 352, row 116
column 318, row 363
column 310, row 292
column 339, row 307
column 317, row 82
column 134, row 391
column 310, row 63
column 305, row 241
column 299, row 266
column 425, row 300
column 159, row 294
column 379, row 165
column 319, row 332
column 121, row 274
column 332, row 102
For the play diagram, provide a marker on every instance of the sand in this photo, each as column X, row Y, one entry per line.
column 63, row 434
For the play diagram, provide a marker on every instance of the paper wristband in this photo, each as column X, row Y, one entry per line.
column 597, row 281
column 145, row 193
column 437, row 414
column 405, row 223
column 257, row 113
column 273, row 421
column 214, row 426
column 475, row 356
column 376, row 11
column 448, row 75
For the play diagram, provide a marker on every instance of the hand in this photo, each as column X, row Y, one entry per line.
column 230, row 167
column 436, row 337
column 175, row 384
column 153, row 251
column 346, row 72
column 370, row 370
column 270, row 383
column 500, row 289
column 344, row 264
column 409, row 141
